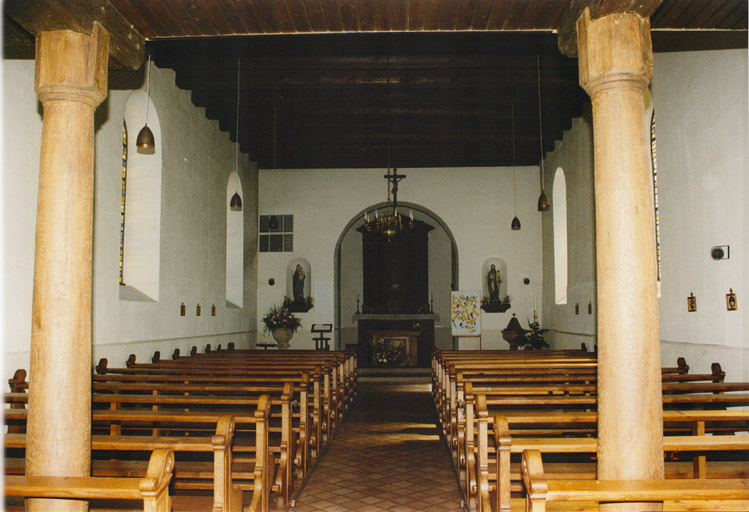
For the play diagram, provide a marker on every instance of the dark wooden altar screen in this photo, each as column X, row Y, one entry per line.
column 396, row 282
column 396, row 274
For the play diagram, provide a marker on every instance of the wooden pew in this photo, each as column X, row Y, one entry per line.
column 239, row 406
column 691, row 494
column 576, row 381
column 153, row 489
column 188, row 474
column 343, row 363
column 504, row 444
column 329, row 389
column 580, row 408
column 308, row 421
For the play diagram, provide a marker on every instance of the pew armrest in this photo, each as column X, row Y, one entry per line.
column 541, row 490
column 153, row 489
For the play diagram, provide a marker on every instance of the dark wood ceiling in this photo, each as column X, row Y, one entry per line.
column 436, row 81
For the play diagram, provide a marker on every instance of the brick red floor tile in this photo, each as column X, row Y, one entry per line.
column 387, row 456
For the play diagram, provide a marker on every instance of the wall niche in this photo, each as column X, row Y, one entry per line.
column 298, row 286
column 494, row 298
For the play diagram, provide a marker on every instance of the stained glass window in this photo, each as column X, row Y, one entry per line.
column 654, row 162
column 122, row 200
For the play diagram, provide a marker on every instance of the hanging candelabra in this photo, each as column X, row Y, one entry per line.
column 390, row 223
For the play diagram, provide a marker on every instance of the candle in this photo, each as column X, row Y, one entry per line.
column 534, row 303
column 357, row 297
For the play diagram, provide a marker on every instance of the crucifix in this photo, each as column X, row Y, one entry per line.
column 394, row 179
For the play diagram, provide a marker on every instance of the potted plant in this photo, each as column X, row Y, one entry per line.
column 282, row 324
column 533, row 338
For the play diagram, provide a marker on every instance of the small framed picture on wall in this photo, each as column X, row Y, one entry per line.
column 731, row 304
column 691, row 303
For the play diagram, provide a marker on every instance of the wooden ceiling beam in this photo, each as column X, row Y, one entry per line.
column 404, row 96
column 456, row 78
column 567, row 30
column 126, row 44
column 258, row 63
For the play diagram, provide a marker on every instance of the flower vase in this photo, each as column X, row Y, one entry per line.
column 282, row 337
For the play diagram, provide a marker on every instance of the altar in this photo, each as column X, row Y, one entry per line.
column 415, row 332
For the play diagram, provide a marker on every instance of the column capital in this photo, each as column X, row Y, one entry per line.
column 71, row 66
column 614, row 51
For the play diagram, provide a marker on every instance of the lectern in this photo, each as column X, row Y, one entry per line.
column 321, row 341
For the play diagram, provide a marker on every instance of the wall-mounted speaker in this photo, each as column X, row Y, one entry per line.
column 720, row 252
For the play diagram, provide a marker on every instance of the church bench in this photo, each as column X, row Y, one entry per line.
column 282, row 438
column 544, row 369
column 219, row 475
column 539, row 388
column 570, row 394
column 183, row 385
column 161, row 395
column 461, row 436
column 493, row 454
column 310, row 422
column 693, row 494
column 344, row 362
column 331, row 392
column 152, row 490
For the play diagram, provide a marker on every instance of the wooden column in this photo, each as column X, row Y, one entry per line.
column 71, row 80
column 616, row 63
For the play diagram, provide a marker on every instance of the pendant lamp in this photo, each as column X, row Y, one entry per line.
column 515, row 224
column 145, row 138
column 543, row 201
column 235, row 204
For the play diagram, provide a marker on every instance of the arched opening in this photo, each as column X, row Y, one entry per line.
column 141, row 232
column 559, row 200
column 234, row 245
column 441, row 274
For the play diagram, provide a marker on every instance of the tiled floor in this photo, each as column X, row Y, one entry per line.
column 386, row 456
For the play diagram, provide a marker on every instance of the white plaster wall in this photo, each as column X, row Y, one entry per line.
column 21, row 140
column 574, row 154
column 197, row 160
column 700, row 102
column 476, row 204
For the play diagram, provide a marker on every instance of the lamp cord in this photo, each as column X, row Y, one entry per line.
column 236, row 148
column 148, row 87
column 274, row 160
column 514, row 188
column 540, row 118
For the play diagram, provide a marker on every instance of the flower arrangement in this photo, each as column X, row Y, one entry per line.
column 279, row 317
column 386, row 353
